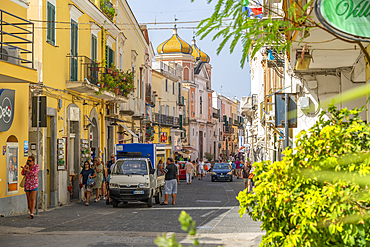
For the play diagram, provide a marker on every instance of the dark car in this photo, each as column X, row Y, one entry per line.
column 222, row 172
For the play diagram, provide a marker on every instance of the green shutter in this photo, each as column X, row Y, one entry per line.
column 74, row 53
column 50, row 15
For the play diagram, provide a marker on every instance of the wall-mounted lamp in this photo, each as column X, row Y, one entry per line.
column 303, row 61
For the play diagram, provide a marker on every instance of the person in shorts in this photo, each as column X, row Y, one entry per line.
column 85, row 173
column 201, row 169
column 171, row 177
column 246, row 170
column 237, row 168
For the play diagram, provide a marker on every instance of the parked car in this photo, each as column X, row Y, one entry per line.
column 222, row 172
column 182, row 172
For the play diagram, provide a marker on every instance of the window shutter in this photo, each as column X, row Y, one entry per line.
column 53, row 24
column 48, row 17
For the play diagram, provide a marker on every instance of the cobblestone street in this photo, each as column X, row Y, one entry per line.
column 212, row 205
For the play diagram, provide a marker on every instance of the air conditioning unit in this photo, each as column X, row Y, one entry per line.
column 10, row 54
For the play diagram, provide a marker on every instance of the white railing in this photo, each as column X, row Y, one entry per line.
column 129, row 105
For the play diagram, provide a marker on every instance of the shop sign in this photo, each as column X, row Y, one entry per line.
column 6, row 109
column 25, row 149
column 163, row 137
column 348, row 16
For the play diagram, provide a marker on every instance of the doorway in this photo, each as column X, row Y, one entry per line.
column 200, row 144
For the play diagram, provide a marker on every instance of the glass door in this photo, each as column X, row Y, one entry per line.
column 12, row 167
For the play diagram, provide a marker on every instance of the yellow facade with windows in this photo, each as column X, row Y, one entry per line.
column 15, row 76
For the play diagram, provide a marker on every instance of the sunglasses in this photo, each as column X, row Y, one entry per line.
column 28, row 161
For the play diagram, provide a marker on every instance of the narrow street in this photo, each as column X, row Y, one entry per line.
column 211, row 204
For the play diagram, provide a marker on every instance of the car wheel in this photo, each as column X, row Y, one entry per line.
column 150, row 201
column 115, row 203
column 157, row 198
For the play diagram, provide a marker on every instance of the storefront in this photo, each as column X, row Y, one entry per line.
column 14, row 142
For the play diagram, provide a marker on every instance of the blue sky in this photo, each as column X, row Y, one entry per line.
column 226, row 70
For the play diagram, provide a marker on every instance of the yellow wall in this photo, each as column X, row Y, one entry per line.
column 163, row 129
column 19, row 129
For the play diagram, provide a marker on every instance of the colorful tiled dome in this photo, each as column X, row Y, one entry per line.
column 174, row 45
column 197, row 53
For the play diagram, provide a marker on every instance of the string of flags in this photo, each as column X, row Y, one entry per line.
column 252, row 11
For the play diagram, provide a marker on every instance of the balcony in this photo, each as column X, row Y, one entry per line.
column 107, row 8
column 84, row 77
column 166, row 120
column 181, row 101
column 186, row 121
column 128, row 108
column 168, row 71
column 216, row 113
column 139, row 113
column 236, row 122
column 16, row 49
column 227, row 130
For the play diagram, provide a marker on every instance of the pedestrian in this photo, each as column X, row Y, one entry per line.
column 98, row 168
column 238, row 168
column 104, row 184
column 171, row 183
column 31, row 173
column 195, row 168
column 108, row 172
column 189, row 172
column 200, row 169
column 86, row 173
column 233, row 167
column 178, row 171
column 246, row 170
column 160, row 168
column 220, row 158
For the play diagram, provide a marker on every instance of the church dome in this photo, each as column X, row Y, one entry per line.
column 197, row 53
column 174, row 45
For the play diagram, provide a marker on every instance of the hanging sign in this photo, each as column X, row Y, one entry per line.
column 347, row 16
column 6, row 108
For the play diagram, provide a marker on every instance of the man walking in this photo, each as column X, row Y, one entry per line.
column 201, row 169
column 189, row 171
column 171, row 181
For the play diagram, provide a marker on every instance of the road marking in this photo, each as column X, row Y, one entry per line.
column 189, row 208
column 229, row 190
column 204, row 227
column 206, row 201
column 205, row 215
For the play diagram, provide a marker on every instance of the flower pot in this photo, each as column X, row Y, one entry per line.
column 70, row 188
column 116, row 91
column 109, row 71
column 95, row 68
column 115, row 73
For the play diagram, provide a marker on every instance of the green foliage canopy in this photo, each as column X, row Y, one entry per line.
column 317, row 195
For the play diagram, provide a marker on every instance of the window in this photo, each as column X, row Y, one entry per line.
column 74, row 52
column 166, row 85
column 173, row 88
column 167, row 110
column 50, row 33
column 193, row 131
column 110, row 57
column 201, row 106
column 173, row 111
column 94, row 47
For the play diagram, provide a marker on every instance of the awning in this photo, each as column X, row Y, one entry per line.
column 183, row 154
column 190, row 148
column 129, row 131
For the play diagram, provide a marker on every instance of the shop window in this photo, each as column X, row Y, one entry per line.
column 12, row 165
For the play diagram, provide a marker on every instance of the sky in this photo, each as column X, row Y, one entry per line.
column 227, row 76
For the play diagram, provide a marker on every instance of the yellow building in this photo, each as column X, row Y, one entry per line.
column 17, row 71
column 166, row 84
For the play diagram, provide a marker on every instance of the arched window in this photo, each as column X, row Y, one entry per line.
column 186, row 74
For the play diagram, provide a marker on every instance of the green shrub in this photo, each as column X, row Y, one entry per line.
column 317, row 195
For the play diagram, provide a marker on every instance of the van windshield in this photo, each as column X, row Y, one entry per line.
column 130, row 167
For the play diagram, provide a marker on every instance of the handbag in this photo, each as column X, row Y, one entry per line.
column 90, row 181
column 23, row 182
column 251, row 175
